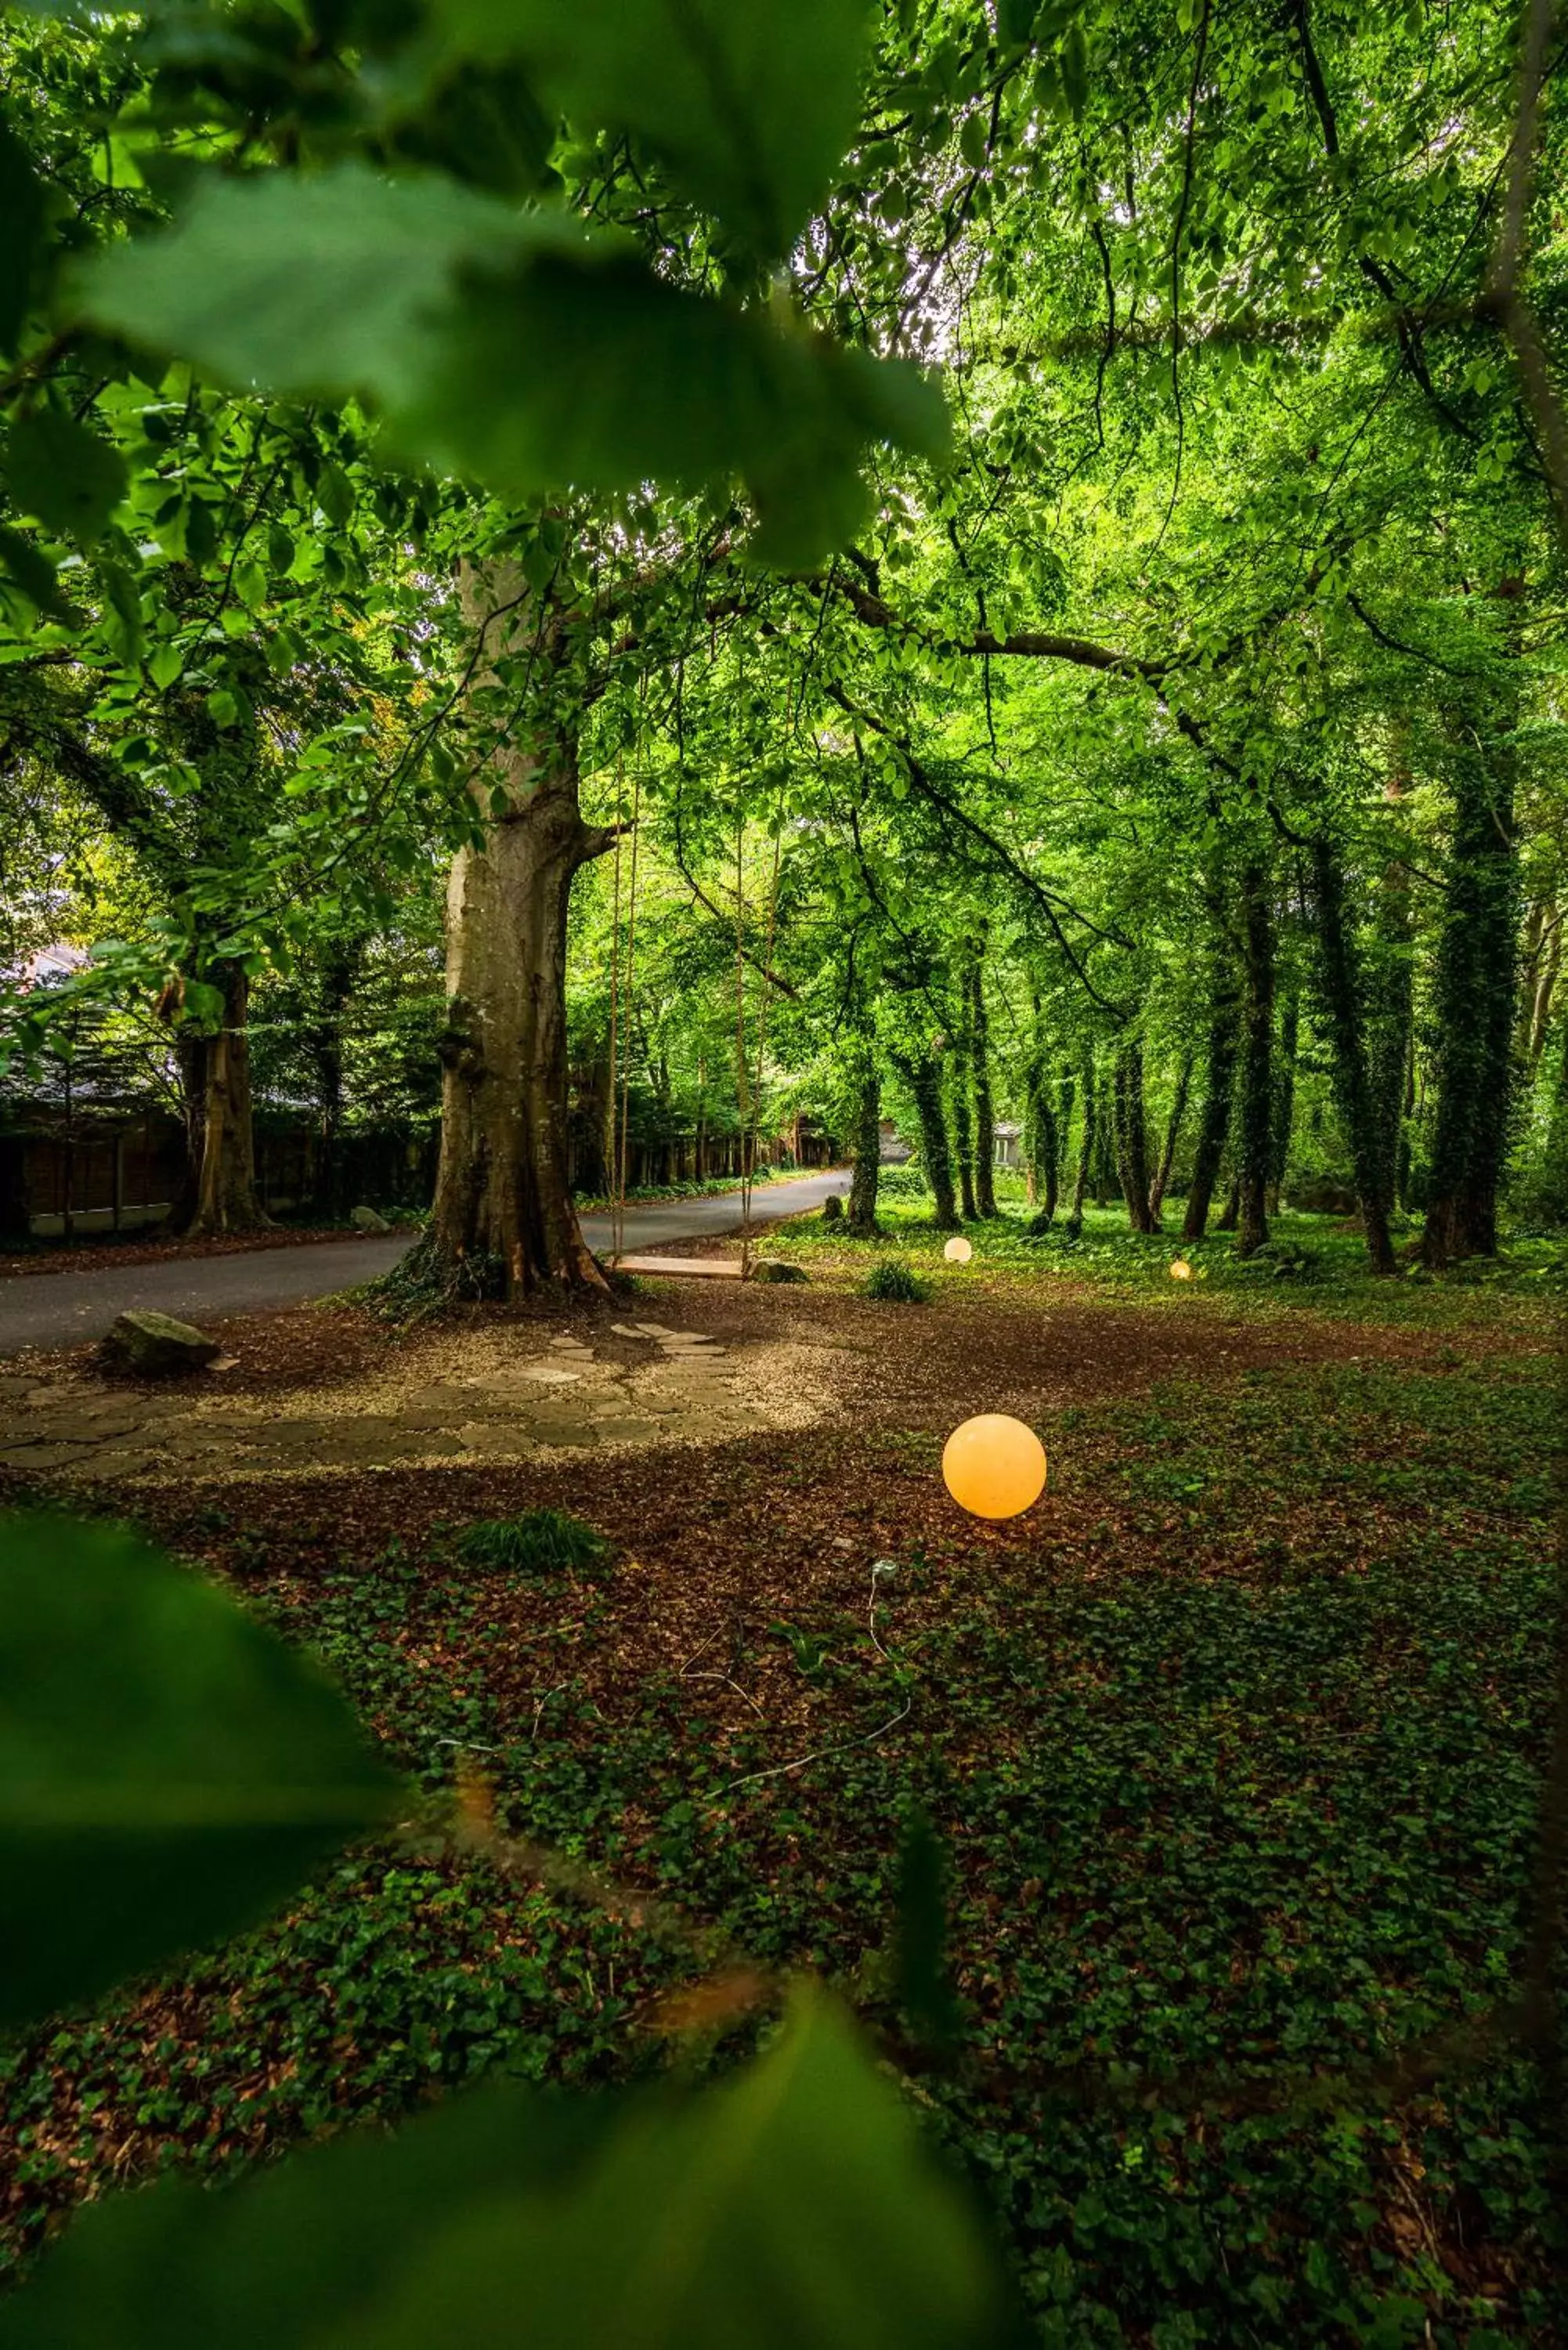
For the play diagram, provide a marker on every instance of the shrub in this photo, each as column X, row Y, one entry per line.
column 541, row 1542
column 896, row 1283
column 832, row 1208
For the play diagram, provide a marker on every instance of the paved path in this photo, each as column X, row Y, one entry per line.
column 61, row 1309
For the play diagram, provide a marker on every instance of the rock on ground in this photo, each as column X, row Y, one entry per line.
column 365, row 1220
column 155, row 1345
column 776, row 1268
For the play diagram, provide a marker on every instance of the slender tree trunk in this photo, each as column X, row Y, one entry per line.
column 1391, row 1001
column 1282, row 1117
column 504, row 1220
column 979, row 1065
column 1230, row 1216
column 1354, row 1092
column 1173, row 1124
column 1256, row 1103
column 1041, row 1145
column 1064, row 1099
column 1085, row 1151
column 1475, row 986
column 1132, row 1134
column 963, row 1131
column 1219, row 1072
column 220, row 1190
column 862, row 1218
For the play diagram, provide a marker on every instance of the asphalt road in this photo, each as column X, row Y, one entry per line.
column 62, row 1309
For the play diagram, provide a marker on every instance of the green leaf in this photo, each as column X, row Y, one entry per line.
column 793, row 2206
column 21, row 235
column 224, row 707
column 25, row 568
column 925, row 1986
column 164, row 666
column 169, row 1771
column 521, row 351
column 62, row 473
column 751, row 103
column 122, row 611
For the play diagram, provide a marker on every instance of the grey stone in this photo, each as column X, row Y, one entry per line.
column 365, row 1220
column 775, row 1268
column 156, row 1346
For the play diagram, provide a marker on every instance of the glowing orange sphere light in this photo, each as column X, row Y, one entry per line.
column 958, row 1249
column 1181, row 1270
column 993, row 1466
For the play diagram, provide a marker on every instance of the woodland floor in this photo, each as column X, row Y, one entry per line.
column 1234, row 1742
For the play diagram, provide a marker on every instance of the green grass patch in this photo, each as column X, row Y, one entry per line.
column 540, row 1542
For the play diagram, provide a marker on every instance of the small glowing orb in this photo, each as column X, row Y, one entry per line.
column 1181, row 1270
column 958, row 1249
column 994, row 1466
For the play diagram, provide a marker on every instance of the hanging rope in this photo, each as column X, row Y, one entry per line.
column 619, row 1228
column 617, row 1204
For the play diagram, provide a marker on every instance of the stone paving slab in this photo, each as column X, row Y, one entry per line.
column 504, row 1394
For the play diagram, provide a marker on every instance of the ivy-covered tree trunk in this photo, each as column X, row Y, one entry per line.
column 1476, row 984
column 963, row 1129
column 867, row 1151
column 923, row 1076
column 1041, row 1148
column 979, row 1066
column 219, row 1192
column 1282, row 1119
column 1390, row 997
column 1255, row 1108
column 1132, row 1134
column 1064, row 1100
column 1354, row 1092
column 1085, row 1151
column 1173, row 1125
column 1219, row 1074
column 503, row 1221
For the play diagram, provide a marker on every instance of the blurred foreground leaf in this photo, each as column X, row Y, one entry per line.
column 790, row 2209
column 169, row 1769
column 751, row 103
column 518, row 349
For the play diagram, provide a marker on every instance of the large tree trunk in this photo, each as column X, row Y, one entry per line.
column 219, row 1193
column 984, row 1109
column 923, row 1078
column 1219, row 1066
column 1256, row 1106
column 1132, row 1134
column 504, row 1221
column 1476, row 986
column 867, row 1167
column 1354, row 1095
column 1162, row 1183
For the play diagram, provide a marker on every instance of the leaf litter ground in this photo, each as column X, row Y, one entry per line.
column 1234, row 1745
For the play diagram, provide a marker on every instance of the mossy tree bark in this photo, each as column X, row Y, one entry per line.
column 1255, row 1106
column 1477, row 980
column 979, row 1065
column 1132, row 1134
column 1219, row 1069
column 868, row 1152
column 1086, row 1151
column 1354, row 1091
column 1173, row 1126
column 922, row 1074
column 962, row 1128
